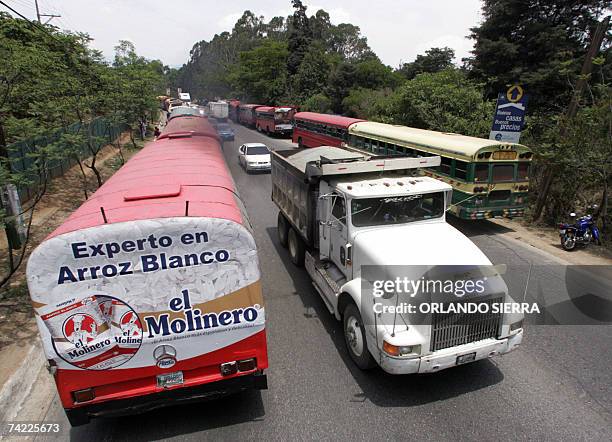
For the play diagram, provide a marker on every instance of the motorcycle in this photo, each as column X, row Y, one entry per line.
column 584, row 231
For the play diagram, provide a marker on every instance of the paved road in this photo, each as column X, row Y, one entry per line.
column 557, row 386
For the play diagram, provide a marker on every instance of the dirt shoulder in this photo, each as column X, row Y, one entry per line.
column 547, row 239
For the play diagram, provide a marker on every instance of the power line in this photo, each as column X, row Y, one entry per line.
column 33, row 24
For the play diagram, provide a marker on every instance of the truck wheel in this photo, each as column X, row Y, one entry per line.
column 355, row 338
column 282, row 227
column 77, row 417
column 296, row 248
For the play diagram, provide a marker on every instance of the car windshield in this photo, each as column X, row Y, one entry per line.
column 396, row 209
column 257, row 150
column 223, row 127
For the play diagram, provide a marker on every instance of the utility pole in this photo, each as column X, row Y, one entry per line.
column 39, row 15
column 572, row 109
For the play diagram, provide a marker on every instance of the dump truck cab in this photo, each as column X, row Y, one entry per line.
column 343, row 213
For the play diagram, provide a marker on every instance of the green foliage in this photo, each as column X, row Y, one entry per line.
column 300, row 37
column 317, row 103
column 534, row 43
column 311, row 76
column 445, row 101
column 434, row 60
column 319, row 58
column 370, row 104
column 260, row 74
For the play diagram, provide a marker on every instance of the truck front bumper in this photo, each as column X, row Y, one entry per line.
column 447, row 358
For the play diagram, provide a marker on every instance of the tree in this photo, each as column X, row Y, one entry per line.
column 339, row 83
column 369, row 104
column 260, row 72
column 317, row 103
column 373, row 74
column 529, row 42
column 445, row 101
column 135, row 82
column 311, row 76
column 346, row 41
column 300, row 36
column 434, row 60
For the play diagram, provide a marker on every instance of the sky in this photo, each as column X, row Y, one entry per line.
column 396, row 30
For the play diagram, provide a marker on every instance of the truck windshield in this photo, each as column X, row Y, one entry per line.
column 282, row 116
column 257, row 150
column 396, row 209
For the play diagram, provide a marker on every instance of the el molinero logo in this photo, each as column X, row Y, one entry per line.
column 193, row 319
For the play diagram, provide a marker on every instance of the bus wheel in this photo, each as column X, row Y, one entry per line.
column 282, row 227
column 300, row 144
column 296, row 248
column 355, row 338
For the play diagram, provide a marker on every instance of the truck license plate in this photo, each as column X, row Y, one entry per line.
column 463, row 359
column 168, row 379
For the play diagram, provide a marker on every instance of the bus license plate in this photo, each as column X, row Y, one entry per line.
column 464, row 359
column 169, row 379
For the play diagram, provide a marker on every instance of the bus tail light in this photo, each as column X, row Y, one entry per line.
column 83, row 395
column 247, row 364
column 229, row 368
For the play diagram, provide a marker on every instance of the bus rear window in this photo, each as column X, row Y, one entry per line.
column 481, row 173
column 523, row 171
column 503, row 172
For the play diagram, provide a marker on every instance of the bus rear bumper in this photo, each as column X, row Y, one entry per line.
column 485, row 213
column 170, row 397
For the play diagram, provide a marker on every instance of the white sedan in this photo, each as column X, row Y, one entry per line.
column 254, row 156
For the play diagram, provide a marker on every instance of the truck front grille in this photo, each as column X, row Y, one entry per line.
column 452, row 329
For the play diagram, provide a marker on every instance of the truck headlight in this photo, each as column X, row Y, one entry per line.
column 401, row 350
column 516, row 326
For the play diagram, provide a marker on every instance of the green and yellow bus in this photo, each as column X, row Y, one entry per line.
column 489, row 178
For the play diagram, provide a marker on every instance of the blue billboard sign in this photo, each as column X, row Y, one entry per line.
column 509, row 116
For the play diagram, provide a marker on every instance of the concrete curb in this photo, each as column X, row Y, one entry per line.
column 18, row 387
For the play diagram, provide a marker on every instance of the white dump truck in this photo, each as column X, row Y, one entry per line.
column 343, row 213
column 218, row 110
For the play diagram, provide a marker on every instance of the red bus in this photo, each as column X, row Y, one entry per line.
column 149, row 294
column 246, row 114
column 314, row 130
column 233, row 110
column 275, row 120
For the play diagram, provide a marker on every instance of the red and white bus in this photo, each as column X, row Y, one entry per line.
column 313, row 130
column 275, row 120
column 149, row 294
column 246, row 114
